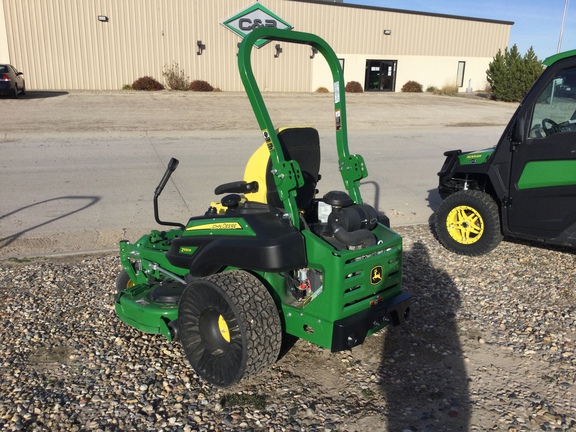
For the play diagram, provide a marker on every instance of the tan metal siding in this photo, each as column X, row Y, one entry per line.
column 351, row 30
column 60, row 44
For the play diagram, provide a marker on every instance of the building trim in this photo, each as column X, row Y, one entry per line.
column 404, row 11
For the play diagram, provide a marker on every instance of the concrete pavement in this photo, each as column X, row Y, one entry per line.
column 79, row 169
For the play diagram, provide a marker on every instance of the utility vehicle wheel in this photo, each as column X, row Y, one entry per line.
column 123, row 281
column 468, row 223
column 229, row 327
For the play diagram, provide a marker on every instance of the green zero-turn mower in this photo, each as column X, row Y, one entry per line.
column 269, row 258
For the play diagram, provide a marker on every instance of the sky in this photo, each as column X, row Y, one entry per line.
column 537, row 23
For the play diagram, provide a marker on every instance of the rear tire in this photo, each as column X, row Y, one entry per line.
column 468, row 223
column 229, row 327
column 15, row 93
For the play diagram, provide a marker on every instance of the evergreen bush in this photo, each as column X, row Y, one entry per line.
column 510, row 75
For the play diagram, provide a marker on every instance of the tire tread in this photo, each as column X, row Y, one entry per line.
column 257, row 317
column 488, row 208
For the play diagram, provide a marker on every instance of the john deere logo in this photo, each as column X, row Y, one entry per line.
column 376, row 275
column 253, row 17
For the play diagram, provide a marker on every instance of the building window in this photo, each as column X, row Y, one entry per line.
column 460, row 77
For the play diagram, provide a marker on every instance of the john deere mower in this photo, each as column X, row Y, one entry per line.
column 270, row 258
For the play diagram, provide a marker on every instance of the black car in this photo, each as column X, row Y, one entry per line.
column 11, row 81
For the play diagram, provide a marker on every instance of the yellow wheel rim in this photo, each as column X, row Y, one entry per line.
column 223, row 328
column 465, row 225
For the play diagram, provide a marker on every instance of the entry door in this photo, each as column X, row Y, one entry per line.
column 380, row 75
column 543, row 177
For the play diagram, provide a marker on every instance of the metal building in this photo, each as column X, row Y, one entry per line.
column 104, row 44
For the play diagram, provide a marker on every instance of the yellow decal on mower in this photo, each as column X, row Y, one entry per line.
column 216, row 226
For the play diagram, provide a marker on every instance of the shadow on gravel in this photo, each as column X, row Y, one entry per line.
column 5, row 241
column 422, row 372
column 39, row 94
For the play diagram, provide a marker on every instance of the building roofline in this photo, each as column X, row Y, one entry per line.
column 404, row 11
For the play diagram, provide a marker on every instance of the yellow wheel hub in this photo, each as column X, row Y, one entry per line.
column 465, row 225
column 223, row 328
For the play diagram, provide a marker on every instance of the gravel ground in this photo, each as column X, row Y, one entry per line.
column 489, row 346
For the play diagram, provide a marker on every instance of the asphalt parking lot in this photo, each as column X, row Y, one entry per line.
column 79, row 168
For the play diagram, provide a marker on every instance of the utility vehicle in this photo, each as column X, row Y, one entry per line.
column 525, row 186
column 270, row 258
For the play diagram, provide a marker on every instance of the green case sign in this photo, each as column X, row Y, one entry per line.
column 254, row 17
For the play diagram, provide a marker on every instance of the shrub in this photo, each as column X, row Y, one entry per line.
column 201, row 86
column 354, row 87
column 512, row 75
column 449, row 90
column 446, row 90
column 216, row 90
column 412, row 87
column 322, row 90
column 126, row 87
column 175, row 78
column 147, row 83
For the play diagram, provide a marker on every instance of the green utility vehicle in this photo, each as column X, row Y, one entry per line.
column 270, row 258
column 525, row 186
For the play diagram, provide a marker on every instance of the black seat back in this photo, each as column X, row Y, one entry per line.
column 301, row 144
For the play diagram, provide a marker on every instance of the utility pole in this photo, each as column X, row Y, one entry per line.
column 562, row 26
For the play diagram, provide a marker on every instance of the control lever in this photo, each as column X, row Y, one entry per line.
column 172, row 165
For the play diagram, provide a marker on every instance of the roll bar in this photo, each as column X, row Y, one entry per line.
column 287, row 174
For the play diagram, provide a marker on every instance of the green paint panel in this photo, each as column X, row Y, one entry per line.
column 553, row 59
column 475, row 157
column 133, row 307
column 541, row 174
column 347, row 289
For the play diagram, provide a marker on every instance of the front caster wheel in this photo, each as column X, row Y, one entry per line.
column 123, row 281
column 468, row 223
column 229, row 327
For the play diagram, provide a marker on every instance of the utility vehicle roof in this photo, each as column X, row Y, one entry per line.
column 553, row 59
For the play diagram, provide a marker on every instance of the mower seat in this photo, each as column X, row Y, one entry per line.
column 301, row 144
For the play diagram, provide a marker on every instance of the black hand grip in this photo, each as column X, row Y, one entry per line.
column 172, row 165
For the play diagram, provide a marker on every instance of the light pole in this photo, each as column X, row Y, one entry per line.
column 562, row 26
